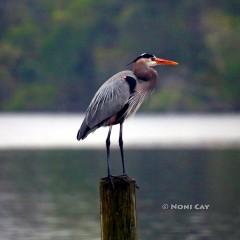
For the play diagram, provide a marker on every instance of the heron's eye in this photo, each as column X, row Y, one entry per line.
column 152, row 58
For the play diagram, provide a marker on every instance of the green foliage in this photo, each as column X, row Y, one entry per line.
column 222, row 37
column 54, row 54
column 32, row 97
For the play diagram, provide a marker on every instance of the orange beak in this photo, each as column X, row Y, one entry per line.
column 161, row 61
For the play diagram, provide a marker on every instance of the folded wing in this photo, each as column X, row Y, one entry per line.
column 110, row 98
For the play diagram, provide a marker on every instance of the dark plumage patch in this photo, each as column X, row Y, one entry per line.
column 121, row 114
column 132, row 83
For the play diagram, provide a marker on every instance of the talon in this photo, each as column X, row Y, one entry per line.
column 111, row 181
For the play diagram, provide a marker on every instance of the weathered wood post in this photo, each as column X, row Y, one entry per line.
column 118, row 208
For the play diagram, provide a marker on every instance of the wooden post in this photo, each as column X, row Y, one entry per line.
column 118, row 208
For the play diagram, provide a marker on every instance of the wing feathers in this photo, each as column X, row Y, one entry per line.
column 110, row 98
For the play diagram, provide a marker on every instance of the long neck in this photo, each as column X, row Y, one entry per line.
column 144, row 72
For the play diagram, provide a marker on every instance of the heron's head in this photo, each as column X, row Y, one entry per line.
column 152, row 61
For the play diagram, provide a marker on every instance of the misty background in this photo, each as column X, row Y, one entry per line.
column 55, row 54
column 183, row 147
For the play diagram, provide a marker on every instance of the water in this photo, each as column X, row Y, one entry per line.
column 41, row 131
column 53, row 194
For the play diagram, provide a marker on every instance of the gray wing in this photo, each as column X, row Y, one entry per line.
column 108, row 101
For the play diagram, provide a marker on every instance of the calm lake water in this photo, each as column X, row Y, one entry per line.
column 53, row 194
column 143, row 131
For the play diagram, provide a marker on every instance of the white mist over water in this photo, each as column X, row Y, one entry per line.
column 40, row 131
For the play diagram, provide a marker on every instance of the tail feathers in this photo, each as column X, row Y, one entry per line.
column 83, row 131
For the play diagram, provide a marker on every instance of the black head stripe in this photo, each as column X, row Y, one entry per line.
column 143, row 55
column 146, row 55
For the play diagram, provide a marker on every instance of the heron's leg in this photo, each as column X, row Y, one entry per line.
column 108, row 150
column 121, row 149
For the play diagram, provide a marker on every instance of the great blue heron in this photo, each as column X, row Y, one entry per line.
column 119, row 97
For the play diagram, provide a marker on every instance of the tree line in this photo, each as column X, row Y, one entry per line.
column 55, row 54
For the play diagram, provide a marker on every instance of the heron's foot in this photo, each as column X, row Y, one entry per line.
column 124, row 177
column 110, row 179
